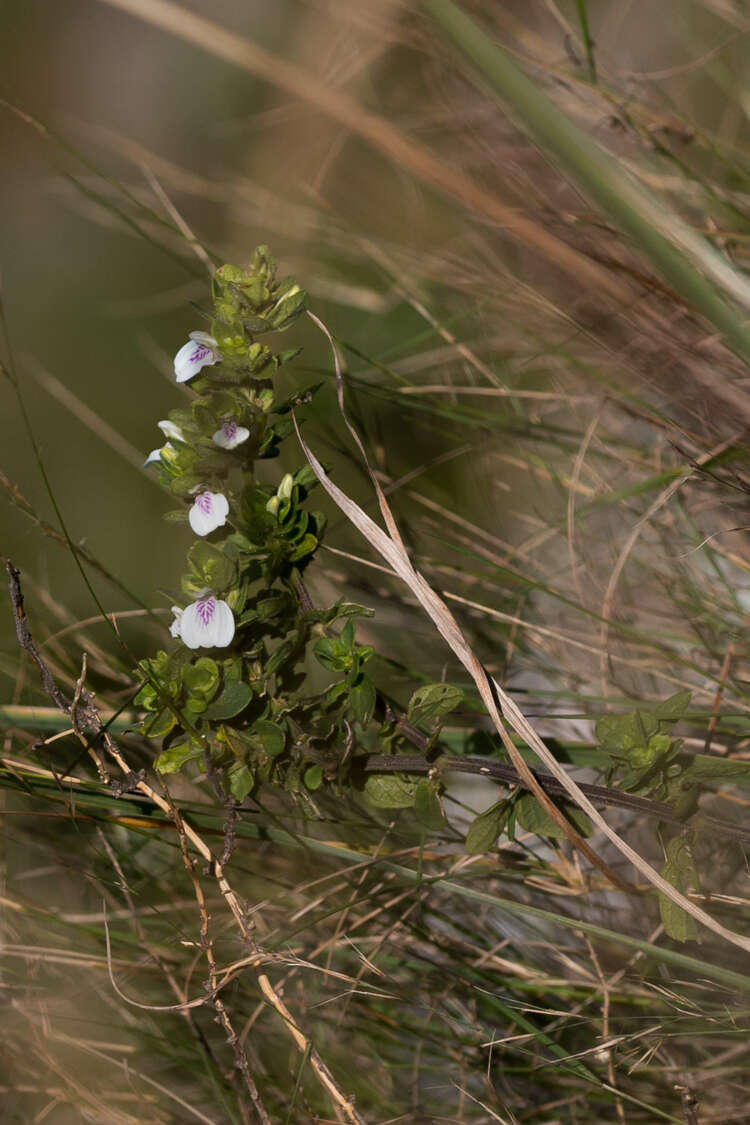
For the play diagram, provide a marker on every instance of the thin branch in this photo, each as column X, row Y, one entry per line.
column 222, row 1014
column 88, row 711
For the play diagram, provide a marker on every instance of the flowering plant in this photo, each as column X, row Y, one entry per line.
column 231, row 692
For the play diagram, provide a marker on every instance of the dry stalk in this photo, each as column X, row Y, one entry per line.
column 87, row 719
column 213, row 982
column 500, row 706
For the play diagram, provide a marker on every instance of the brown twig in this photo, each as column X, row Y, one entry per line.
column 222, row 1014
column 154, row 953
column 723, row 676
column 90, row 715
column 689, row 1105
column 26, row 641
column 230, row 825
column 499, row 771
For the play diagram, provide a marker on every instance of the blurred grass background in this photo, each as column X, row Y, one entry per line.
column 523, row 504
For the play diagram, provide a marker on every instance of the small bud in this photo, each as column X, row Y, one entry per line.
column 170, row 430
column 174, row 628
column 155, row 455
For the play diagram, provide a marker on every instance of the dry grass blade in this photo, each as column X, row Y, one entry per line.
column 663, row 498
column 86, row 416
column 490, row 691
column 408, row 153
column 682, row 257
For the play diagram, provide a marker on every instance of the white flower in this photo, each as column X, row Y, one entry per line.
column 200, row 351
column 174, row 628
column 155, row 454
column 230, row 435
column 207, row 623
column 170, row 430
column 209, row 511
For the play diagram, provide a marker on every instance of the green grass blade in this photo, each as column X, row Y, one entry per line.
column 681, row 256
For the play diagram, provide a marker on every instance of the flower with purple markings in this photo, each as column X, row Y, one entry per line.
column 209, row 511
column 207, row 623
column 200, row 351
column 230, row 435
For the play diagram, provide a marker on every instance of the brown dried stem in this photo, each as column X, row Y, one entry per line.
column 87, row 719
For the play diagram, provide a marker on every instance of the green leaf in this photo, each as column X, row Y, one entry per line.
column 173, row 759
column 196, row 705
column 332, row 654
column 238, row 741
column 305, row 477
column 241, row 781
column 274, row 607
column 673, row 709
column 390, row 791
column 432, row 701
column 680, row 871
column 360, row 656
column 335, row 692
column 531, row 816
column 160, row 724
column 346, row 636
column 620, row 733
column 211, row 565
column 362, row 699
column 202, row 677
column 147, row 698
column 286, row 357
column 271, row 736
column 279, row 656
column 305, row 547
column 233, row 698
column 485, row 829
column 346, row 609
column 287, row 308
column 715, row 771
column 644, row 757
column 313, row 777
column 428, row 807
column 659, row 745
